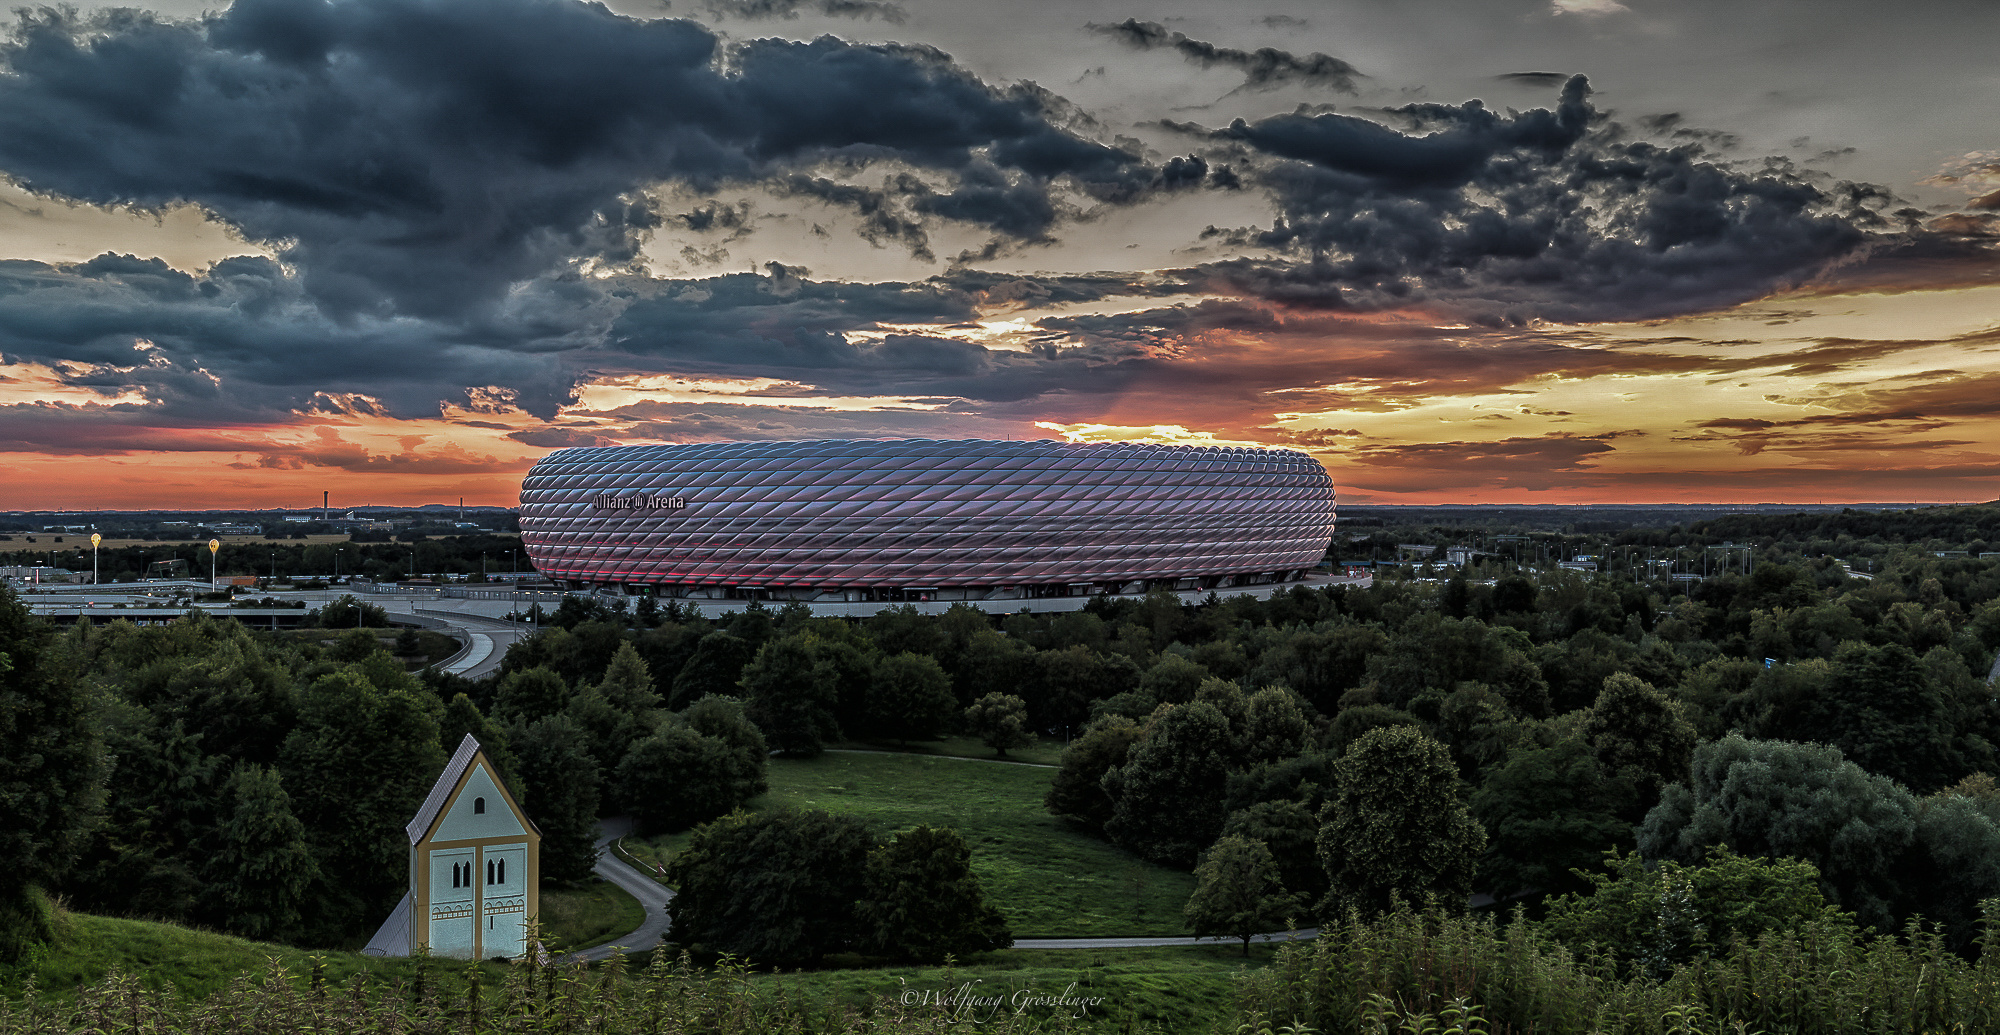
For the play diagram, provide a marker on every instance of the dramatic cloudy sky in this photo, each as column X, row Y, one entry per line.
column 1505, row 251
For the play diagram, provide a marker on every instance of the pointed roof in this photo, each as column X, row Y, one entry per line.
column 447, row 781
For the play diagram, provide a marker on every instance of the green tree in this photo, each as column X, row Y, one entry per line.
column 1776, row 799
column 530, row 694
column 992, row 663
column 715, row 668
column 1323, row 662
column 1000, row 721
column 349, row 613
column 789, row 697
column 357, row 768
column 259, row 868
column 462, row 717
column 612, row 730
column 920, row 900
column 1290, row 830
column 1395, row 822
column 1167, row 797
column 897, row 630
column 1077, row 791
column 1548, row 812
column 1639, row 737
column 628, row 683
column 1274, row 727
column 1172, row 679
column 162, row 800
column 1238, row 892
column 560, row 782
column 722, row 718
column 1063, row 684
column 911, row 698
column 1655, row 917
column 1353, row 722
column 676, row 778
column 772, row 887
column 52, row 770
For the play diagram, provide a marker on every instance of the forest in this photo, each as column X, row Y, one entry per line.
column 1648, row 772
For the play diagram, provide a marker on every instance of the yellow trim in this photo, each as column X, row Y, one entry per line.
column 420, row 863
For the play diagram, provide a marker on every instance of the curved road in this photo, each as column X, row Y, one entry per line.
column 651, row 894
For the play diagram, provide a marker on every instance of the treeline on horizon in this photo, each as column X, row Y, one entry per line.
column 371, row 555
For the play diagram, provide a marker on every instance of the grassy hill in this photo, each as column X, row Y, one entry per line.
column 196, row 964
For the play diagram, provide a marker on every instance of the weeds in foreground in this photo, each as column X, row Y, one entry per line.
column 1409, row 973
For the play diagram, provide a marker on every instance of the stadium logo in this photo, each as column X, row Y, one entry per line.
column 638, row 502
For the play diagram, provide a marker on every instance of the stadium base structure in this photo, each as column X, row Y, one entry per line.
column 923, row 521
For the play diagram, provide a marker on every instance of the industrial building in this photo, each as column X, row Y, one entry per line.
column 923, row 520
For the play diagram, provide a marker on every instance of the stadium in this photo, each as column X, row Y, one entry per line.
column 923, row 520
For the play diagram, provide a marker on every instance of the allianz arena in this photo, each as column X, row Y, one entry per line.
column 915, row 519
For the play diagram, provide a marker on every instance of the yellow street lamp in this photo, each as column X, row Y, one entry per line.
column 213, row 545
column 94, row 540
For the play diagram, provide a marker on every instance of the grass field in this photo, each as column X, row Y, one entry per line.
column 1048, row 879
column 1167, row 989
column 1042, row 752
column 578, row 918
column 199, row 963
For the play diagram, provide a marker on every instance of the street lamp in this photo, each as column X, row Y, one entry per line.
column 336, row 564
column 94, row 540
column 213, row 545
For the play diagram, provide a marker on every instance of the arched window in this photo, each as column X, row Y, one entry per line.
column 489, row 871
column 479, row 806
column 503, row 871
column 454, row 875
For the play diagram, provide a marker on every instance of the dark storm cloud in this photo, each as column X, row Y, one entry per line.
column 786, row 326
column 1265, row 68
column 1548, row 79
column 789, row 9
column 702, row 422
column 243, row 341
column 434, row 153
column 1539, row 214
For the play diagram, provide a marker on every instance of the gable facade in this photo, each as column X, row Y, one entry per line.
column 474, row 864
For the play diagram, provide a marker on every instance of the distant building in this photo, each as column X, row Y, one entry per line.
column 33, row 574
column 475, row 868
column 237, row 529
column 921, row 520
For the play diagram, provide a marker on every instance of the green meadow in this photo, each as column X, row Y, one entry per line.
column 1047, row 878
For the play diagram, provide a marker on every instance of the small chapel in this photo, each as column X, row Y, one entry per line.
column 474, row 868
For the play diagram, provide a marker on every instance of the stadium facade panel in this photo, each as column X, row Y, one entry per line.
column 900, row 519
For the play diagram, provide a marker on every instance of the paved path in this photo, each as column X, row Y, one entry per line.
column 1145, row 943
column 960, row 758
column 650, row 893
column 498, row 636
column 478, row 652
